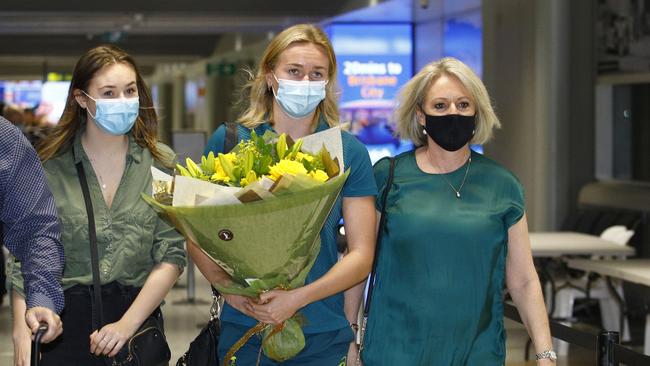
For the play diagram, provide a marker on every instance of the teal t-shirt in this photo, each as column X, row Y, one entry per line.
column 440, row 273
column 327, row 314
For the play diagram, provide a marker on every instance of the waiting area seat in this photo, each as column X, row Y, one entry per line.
column 591, row 287
column 616, row 211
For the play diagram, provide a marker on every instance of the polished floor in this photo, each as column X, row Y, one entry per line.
column 183, row 319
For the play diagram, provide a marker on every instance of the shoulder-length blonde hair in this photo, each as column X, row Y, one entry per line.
column 412, row 95
column 260, row 97
column 145, row 129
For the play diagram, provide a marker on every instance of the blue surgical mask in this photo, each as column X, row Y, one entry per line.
column 299, row 98
column 115, row 116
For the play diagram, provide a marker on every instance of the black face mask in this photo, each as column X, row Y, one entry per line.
column 451, row 131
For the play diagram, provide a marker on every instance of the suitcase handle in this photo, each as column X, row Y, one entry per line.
column 42, row 329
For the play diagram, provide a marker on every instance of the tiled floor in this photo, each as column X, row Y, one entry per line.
column 182, row 322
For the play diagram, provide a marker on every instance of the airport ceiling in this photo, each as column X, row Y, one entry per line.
column 37, row 32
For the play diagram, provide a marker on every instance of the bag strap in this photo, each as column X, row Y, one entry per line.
column 382, row 223
column 232, row 136
column 94, row 255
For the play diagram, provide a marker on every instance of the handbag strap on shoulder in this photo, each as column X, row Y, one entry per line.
column 94, row 255
column 382, row 223
column 232, row 135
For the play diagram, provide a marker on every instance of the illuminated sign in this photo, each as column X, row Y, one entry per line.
column 374, row 60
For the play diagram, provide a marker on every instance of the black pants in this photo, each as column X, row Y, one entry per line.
column 73, row 346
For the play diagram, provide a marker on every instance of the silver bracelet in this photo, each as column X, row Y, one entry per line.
column 546, row 354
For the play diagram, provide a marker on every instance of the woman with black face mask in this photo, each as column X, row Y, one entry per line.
column 455, row 232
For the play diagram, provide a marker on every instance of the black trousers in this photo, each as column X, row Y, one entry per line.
column 73, row 346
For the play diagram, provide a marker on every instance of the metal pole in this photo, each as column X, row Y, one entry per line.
column 606, row 342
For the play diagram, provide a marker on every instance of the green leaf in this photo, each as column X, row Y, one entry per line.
column 194, row 169
column 281, row 146
column 331, row 166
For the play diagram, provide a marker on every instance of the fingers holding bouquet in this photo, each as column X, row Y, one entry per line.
column 244, row 304
column 276, row 306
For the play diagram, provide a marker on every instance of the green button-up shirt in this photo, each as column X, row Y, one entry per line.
column 131, row 238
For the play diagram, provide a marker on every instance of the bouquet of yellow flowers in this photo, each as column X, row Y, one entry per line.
column 257, row 212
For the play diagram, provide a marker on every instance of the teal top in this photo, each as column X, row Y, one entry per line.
column 327, row 314
column 441, row 268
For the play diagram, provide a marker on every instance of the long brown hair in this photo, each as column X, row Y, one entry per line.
column 260, row 103
column 145, row 129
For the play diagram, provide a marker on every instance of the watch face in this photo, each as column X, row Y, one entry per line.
column 553, row 356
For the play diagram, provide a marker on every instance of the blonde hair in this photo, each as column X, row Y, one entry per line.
column 412, row 96
column 146, row 126
column 260, row 97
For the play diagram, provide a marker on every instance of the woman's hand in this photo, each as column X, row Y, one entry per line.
column 112, row 337
column 276, row 306
column 22, row 337
column 241, row 303
column 353, row 352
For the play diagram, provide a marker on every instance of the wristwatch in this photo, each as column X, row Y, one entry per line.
column 546, row 354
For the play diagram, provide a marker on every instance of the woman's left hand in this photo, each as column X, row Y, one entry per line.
column 353, row 352
column 111, row 338
column 276, row 306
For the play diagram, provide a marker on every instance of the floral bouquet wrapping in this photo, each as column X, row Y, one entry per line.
column 257, row 212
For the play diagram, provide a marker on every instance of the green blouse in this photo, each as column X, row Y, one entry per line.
column 131, row 238
column 441, row 267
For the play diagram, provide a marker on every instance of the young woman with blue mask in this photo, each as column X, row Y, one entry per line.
column 109, row 127
column 293, row 92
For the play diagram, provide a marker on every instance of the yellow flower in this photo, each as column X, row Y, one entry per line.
column 250, row 178
column 300, row 156
column 220, row 176
column 286, row 167
column 319, row 175
column 219, row 172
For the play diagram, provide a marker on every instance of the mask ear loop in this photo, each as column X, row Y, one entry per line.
column 88, row 109
column 272, row 88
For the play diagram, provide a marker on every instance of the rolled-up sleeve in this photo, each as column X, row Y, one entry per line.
column 30, row 222
column 168, row 245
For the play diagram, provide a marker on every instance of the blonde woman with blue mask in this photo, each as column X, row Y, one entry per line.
column 294, row 92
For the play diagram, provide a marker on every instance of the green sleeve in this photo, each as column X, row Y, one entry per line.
column 168, row 244
column 14, row 276
column 381, row 169
column 515, row 199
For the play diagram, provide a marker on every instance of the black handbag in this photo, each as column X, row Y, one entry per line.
column 148, row 346
column 203, row 349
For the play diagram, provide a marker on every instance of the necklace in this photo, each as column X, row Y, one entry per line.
column 99, row 176
column 444, row 176
column 101, row 181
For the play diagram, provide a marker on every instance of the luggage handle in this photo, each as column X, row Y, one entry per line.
column 42, row 329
